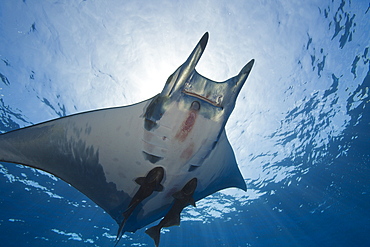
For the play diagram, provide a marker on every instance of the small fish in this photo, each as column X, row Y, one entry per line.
column 183, row 198
column 148, row 184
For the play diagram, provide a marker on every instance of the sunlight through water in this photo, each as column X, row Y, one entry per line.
column 299, row 131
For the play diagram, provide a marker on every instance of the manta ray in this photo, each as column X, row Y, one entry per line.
column 133, row 161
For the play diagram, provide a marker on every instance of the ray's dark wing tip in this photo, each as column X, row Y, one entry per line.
column 248, row 67
column 203, row 41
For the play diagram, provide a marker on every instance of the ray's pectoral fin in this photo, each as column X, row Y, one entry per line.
column 148, row 184
column 183, row 198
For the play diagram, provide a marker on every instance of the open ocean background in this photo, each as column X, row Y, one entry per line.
column 300, row 129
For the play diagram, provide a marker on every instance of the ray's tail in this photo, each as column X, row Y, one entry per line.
column 154, row 232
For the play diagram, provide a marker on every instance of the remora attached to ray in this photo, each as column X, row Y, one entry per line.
column 182, row 198
column 102, row 152
column 148, row 184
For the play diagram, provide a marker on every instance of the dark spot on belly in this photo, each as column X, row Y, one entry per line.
column 192, row 168
column 151, row 158
column 149, row 124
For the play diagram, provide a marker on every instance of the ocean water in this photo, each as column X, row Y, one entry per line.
column 300, row 130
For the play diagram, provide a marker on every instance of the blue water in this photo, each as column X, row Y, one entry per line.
column 300, row 130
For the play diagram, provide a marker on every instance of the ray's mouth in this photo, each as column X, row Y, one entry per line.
column 215, row 101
